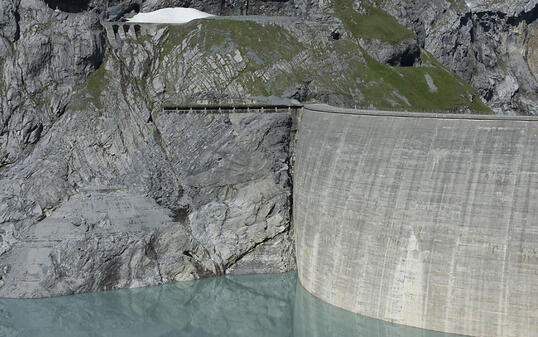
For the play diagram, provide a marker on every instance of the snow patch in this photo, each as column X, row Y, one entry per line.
column 170, row 15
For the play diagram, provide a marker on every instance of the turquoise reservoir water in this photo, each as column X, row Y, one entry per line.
column 239, row 306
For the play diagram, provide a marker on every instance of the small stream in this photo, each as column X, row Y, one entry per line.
column 239, row 306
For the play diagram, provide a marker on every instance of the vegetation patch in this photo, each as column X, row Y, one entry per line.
column 452, row 93
column 96, row 84
column 257, row 47
column 374, row 23
column 238, row 59
column 247, row 36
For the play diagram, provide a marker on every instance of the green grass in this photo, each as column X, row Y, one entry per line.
column 260, row 45
column 452, row 93
column 247, row 36
column 267, row 40
column 91, row 92
column 380, row 84
column 96, row 84
column 478, row 107
column 275, row 62
column 375, row 24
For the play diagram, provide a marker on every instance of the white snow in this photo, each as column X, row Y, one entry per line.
column 170, row 15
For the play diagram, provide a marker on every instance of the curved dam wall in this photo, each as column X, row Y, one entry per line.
column 420, row 219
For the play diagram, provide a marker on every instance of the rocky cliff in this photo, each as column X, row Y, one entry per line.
column 100, row 189
column 491, row 44
column 113, row 192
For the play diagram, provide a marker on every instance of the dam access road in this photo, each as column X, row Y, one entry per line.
column 428, row 220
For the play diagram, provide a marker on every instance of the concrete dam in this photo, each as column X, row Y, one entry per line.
column 427, row 220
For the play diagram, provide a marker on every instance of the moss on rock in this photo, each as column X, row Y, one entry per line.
column 238, row 59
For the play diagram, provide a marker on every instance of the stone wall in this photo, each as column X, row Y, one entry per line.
column 424, row 220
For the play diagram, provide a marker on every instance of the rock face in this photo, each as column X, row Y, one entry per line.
column 159, row 209
column 491, row 44
column 105, row 191
column 300, row 8
column 100, row 189
column 40, row 69
column 121, row 194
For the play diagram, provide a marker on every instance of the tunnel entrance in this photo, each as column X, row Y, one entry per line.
column 70, row 6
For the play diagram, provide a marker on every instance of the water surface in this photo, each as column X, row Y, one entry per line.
column 239, row 306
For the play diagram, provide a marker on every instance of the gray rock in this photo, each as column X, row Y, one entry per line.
column 101, row 189
column 405, row 53
column 429, row 81
column 242, row 7
column 166, row 211
column 44, row 56
column 488, row 43
column 118, row 193
column 115, row 13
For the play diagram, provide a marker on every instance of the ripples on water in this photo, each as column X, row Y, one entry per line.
column 238, row 306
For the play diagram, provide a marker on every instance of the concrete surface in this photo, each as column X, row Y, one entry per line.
column 420, row 219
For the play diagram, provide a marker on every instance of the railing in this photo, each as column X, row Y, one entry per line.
column 246, row 108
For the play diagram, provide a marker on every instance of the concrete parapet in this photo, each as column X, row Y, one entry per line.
column 346, row 111
column 420, row 219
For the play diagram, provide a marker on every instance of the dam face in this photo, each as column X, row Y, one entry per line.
column 423, row 220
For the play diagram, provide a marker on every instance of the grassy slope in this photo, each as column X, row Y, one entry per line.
column 275, row 61
column 96, row 84
column 374, row 24
column 410, row 82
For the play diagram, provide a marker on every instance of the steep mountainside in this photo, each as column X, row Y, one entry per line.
column 492, row 44
column 99, row 188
